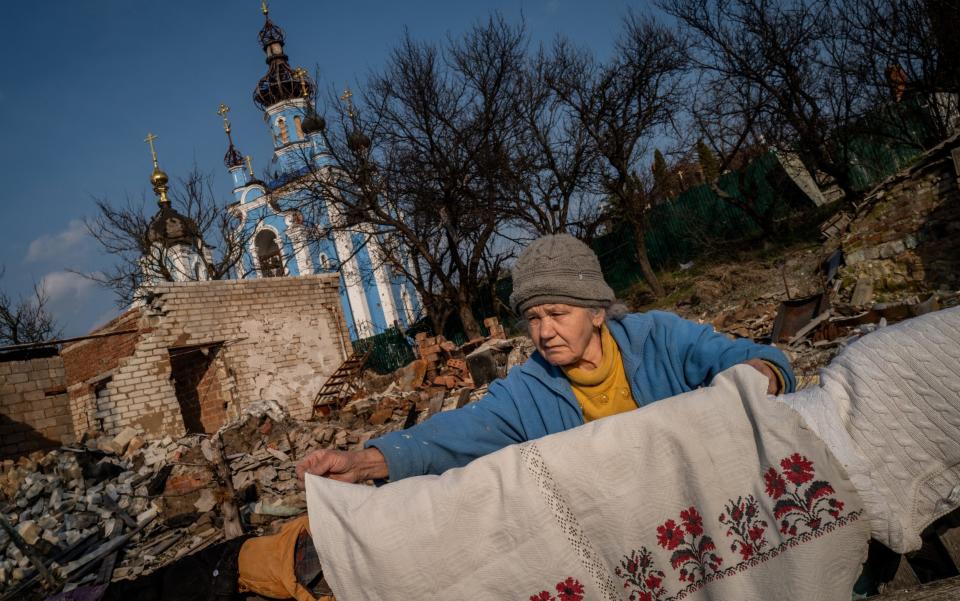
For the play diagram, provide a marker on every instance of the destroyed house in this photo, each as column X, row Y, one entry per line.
column 192, row 356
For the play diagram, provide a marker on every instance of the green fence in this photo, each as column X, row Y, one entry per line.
column 900, row 131
column 683, row 228
column 389, row 351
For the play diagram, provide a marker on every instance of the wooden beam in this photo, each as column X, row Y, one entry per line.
column 55, row 341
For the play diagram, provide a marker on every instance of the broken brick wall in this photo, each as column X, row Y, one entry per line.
column 34, row 408
column 198, row 377
column 89, row 364
column 909, row 238
column 220, row 345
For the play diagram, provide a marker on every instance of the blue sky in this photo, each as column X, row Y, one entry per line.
column 82, row 82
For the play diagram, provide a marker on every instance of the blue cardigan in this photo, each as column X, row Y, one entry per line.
column 663, row 355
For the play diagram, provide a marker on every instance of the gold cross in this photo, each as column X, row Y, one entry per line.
column 347, row 97
column 250, row 165
column 263, row 7
column 222, row 111
column 149, row 140
column 302, row 74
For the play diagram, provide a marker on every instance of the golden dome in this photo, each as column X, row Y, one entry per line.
column 158, row 177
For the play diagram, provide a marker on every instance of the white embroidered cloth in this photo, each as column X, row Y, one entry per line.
column 888, row 408
column 719, row 493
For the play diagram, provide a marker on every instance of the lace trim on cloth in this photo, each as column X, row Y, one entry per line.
column 533, row 461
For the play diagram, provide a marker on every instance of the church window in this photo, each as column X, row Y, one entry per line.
column 268, row 254
column 284, row 134
column 298, row 125
column 324, row 261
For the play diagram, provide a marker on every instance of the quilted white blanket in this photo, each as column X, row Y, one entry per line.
column 719, row 493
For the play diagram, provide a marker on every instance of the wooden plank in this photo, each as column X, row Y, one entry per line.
column 464, row 397
column 105, row 573
column 951, row 540
column 436, row 403
column 28, row 345
column 213, row 451
column 805, row 330
column 904, row 578
column 941, row 590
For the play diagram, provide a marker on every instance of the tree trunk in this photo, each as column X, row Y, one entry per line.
column 471, row 326
column 437, row 314
column 639, row 232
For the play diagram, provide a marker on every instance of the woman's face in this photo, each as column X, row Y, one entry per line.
column 562, row 333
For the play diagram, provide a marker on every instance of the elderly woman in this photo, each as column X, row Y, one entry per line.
column 592, row 361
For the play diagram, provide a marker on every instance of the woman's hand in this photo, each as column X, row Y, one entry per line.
column 762, row 367
column 346, row 466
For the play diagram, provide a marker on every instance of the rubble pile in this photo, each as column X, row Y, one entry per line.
column 766, row 301
column 445, row 362
column 421, row 389
column 120, row 506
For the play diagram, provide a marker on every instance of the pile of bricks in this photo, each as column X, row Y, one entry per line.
column 446, row 362
column 119, row 507
column 113, row 507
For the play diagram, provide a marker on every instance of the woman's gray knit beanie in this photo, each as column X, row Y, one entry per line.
column 558, row 269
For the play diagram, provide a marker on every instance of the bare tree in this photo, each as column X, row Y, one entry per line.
column 555, row 162
column 423, row 163
column 26, row 319
column 621, row 106
column 781, row 73
column 143, row 253
column 908, row 54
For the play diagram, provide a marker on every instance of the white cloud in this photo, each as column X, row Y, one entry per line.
column 65, row 287
column 75, row 301
column 66, row 243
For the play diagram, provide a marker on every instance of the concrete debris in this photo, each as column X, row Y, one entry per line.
column 157, row 501
column 862, row 292
column 829, row 307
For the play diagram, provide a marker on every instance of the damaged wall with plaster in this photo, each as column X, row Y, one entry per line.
column 203, row 350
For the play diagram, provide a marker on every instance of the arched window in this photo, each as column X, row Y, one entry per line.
column 298, row 125
column 268, row 254
column 284, row 134
column 324, row 261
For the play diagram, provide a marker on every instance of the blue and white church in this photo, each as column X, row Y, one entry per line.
column 373, row 298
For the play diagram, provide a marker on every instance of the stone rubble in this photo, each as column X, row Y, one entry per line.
column 165, row 495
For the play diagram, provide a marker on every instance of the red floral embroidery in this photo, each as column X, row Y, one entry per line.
column 809, row 501
column 797, row 469
column 569, row 590
column 693, row 557
column 775, row 484
column 804, row 508
column 653, row 581
column 835, row 508
column 638, row 572
column 745, row 526
column 669, row 535
column 692, row 521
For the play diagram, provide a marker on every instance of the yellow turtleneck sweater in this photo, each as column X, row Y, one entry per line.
column 605, row 390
